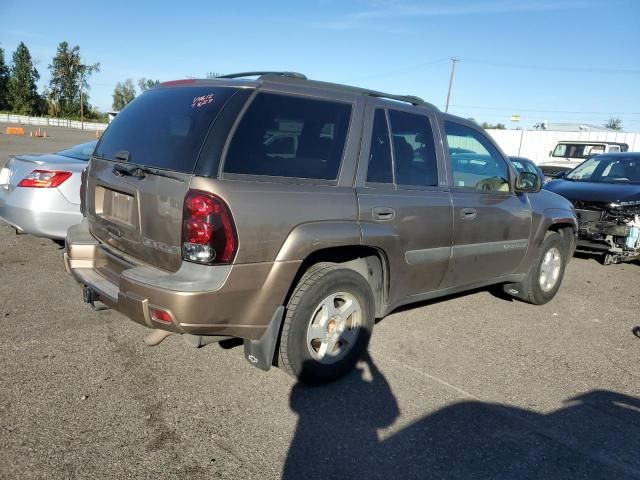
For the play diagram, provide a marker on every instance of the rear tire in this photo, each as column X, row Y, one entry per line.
column 328, row 324
column 546, row 273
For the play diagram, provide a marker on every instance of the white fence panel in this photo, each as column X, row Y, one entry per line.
column 50, row 122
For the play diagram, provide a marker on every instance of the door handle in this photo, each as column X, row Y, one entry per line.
column 468, row 213
column 383, row 213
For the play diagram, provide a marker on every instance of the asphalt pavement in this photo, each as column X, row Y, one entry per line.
column 470, row 386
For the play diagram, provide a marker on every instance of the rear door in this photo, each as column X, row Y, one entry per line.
column 404, row 202
column 142, row 166
column 492, row 224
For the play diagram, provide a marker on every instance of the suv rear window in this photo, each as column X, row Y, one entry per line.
column 286, row 136
column 164, row 127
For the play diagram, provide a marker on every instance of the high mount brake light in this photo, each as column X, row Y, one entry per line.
column 208, row 230
column 44, row 179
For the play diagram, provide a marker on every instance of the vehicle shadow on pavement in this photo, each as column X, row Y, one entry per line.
column 595, row 435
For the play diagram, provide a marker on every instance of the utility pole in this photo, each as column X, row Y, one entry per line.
column 453, row 69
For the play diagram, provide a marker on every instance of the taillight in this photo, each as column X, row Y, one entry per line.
column 83, row 189
column 44, row 179
column 160, row 315
column 208, row 231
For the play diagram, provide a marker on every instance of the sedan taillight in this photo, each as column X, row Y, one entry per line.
column 44, row 179
column 208, row 231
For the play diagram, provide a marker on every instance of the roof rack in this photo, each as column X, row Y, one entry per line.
column 292, row 76
column 412, row 99
column 259, row 74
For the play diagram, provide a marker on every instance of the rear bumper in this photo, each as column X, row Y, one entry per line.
column 38, row 211
column 229, row 300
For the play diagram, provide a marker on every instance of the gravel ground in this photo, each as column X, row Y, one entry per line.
column 471, row 386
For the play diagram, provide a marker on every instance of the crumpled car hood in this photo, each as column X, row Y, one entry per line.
column 595, row 192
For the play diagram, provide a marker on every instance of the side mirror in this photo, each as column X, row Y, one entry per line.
column 550, row 153
column 528, row 182
column 561, row 174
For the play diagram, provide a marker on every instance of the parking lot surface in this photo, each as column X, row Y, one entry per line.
column 471, row 386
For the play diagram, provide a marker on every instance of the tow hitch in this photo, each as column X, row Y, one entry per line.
column 90, row 296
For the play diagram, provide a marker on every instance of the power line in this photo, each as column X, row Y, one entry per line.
column 517, row 109
column 389, row 73
column 557, row 68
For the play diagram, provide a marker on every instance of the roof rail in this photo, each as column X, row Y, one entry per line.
column 259, row 74
column 413, row 100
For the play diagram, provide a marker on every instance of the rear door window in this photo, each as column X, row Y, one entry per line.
column 414, row 150
column 285, row 136
column 164, row 127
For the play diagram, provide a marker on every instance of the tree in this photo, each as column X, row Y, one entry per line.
column 4, row 83
column 22, row 90
column 70, row 81
column 614, row 123
column 147, row 83
column 124, row 93
column 213, row 74
column 497, row 126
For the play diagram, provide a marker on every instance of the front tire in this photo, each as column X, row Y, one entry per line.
column 545, row 275
column 328, row 324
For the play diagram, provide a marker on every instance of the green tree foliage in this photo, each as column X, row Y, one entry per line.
column 147, row 83
column 4, row 83
column 70, row 81
column 497, row 126
column 22, row 91
column 614, row 123
column 124, row 93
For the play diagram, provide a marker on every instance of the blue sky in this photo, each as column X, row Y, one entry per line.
column 560, row 60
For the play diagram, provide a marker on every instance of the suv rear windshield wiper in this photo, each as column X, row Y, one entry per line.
column 122, row 155
column 160, row 173
column 141, row 172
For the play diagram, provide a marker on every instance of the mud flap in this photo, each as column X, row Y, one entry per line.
column 259, row 353
column 517, row 290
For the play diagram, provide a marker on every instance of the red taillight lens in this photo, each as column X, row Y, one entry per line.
column 44, row 179
column 160, row 315
column 199, row 205
column 208, row 231
column 197, row 231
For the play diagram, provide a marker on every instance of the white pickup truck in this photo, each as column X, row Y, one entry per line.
column 567, row 155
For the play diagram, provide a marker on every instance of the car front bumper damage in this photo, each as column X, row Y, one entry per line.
column 612, row 230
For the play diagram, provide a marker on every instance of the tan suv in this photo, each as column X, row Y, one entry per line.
column 292, row 213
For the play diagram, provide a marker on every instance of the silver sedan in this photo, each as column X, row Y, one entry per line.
column 40, row 194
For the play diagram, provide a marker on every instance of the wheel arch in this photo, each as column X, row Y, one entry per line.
column 368, row 261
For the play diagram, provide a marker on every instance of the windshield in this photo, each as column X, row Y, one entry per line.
column 577, row 150
column 607, row 169
column 80, row 152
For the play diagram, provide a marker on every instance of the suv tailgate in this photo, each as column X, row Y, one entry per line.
column 142, row 166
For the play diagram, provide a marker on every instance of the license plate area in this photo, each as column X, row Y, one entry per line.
column 4, row 176
column 115, row 206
